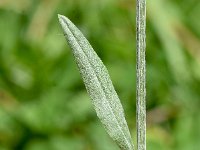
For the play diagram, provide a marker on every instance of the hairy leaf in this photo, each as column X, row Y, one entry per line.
column 98, row 85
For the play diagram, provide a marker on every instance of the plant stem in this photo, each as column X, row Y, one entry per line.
column 141, row 74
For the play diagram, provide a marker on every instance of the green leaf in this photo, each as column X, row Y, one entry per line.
column 98, row 85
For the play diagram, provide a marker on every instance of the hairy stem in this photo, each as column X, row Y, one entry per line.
column 141, row 74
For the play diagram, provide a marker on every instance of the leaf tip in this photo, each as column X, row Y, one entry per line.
column 61, row 18
column 65, row 23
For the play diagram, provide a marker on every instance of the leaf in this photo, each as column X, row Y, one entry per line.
column 98, row 85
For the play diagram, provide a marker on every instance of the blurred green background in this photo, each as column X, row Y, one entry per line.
column 43, row 102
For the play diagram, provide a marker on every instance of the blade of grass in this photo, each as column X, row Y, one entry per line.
column 98, row 85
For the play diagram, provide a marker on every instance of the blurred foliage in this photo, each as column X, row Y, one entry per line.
column 43, row 103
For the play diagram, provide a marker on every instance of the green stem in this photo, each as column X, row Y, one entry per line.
column 141, row 74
